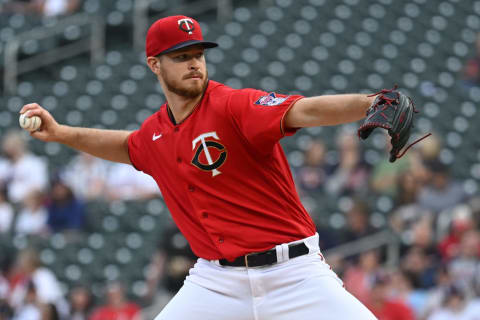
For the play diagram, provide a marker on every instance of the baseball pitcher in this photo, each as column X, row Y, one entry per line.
column 214, row 152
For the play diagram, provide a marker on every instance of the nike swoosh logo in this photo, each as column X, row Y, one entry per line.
column 155, row 137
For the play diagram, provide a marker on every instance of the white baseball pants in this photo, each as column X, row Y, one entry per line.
column 302, row 288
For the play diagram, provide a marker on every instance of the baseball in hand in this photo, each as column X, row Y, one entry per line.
column 29, row 123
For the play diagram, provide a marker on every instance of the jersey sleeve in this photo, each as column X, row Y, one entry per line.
column 138, row 150
column 259, row 116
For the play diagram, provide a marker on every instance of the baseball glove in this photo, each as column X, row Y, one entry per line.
column 393, row 111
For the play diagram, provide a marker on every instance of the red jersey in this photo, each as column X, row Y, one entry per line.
column 222, row 172
column 129, row 311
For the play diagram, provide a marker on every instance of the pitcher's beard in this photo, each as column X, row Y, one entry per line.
column 191, row 92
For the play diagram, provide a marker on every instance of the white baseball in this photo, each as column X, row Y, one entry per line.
column 29, row 123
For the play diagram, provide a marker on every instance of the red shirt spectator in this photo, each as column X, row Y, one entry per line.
column 382, row 306
column 392, row 310
column 462, row 222
column 127, row 311
column 117, row 306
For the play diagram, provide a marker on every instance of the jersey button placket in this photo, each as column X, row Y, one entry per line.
column 221, row 239
column 179, row 160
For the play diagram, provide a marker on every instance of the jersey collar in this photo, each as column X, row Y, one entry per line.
column 170, row 114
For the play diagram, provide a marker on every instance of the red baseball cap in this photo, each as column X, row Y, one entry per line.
column 173, row 33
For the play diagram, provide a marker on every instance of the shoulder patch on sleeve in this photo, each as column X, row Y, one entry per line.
column 270, row 100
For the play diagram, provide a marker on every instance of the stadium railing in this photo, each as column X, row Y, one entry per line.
column 383, row 238
column 94, row 43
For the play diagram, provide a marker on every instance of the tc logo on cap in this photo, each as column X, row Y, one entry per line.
column 173, row 33
column 186, row 25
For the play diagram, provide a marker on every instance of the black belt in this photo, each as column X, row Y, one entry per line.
column 258, row 259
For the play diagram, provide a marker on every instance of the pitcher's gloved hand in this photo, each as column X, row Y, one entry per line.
column 393, row 111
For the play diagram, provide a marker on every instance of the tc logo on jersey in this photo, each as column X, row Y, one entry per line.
column 270, row 100
column 203, row 146
column 186, row 25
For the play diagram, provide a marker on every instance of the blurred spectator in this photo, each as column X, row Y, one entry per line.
column 436, row 295
column 167, row 270
column 126, row 183
column 32, row 219
column 33, row 309
column 466, row 265
column 430, row 148
column 4, row 172
column 403, row 290
column 65, row 212
column 415, row 231
column 454, row 306
column 33, row 281
column 471, row 70
column 358, row 222
column 407, row 212
column 30, row 308
column 420, row 267
column 5, row 267
column 58, row 7
column 408, row 189
column 350, row 174
column 117, row 306
column 383, row 306
column 86, row 175
column 441, row 192
column 461, row 222
column 80, row 303
column 422, row 237
column 358, row 278
column 312, row 175
column 49, row 312
column 6, row 213
column 26, row 172
column 5, row 310
column 385, row 175
column 46, row 8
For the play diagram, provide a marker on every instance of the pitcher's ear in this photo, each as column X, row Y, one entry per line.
column 154, row 64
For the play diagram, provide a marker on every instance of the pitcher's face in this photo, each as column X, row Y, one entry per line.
column 183, row 72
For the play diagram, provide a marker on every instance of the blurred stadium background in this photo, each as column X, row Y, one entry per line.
column 403, row 236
